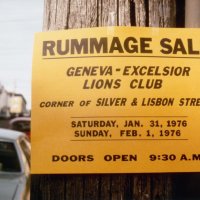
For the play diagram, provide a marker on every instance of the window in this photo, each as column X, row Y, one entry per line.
column 9, row 161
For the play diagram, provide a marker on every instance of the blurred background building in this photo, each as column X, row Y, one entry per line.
column 12, row 105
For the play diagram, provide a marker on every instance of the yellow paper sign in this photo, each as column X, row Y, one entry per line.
column 116, row 100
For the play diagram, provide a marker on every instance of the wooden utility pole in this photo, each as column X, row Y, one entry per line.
column 192, row 14
column 69, row 14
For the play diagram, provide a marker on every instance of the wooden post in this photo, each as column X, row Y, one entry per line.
column 69, row 14
column 192, row 13
column 187, row 185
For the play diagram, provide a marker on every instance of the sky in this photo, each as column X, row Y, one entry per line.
column 19, row 20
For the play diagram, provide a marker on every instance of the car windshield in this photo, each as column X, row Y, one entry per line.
column 9, row 161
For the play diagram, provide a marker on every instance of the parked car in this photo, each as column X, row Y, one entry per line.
column 22, row 124
column 14, row 165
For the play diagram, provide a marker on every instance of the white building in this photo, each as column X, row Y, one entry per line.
column 4, row 102
column 17, row 104
column 11, row 104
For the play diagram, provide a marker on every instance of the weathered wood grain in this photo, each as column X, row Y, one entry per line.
column 162, row 13
column 140, row 13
